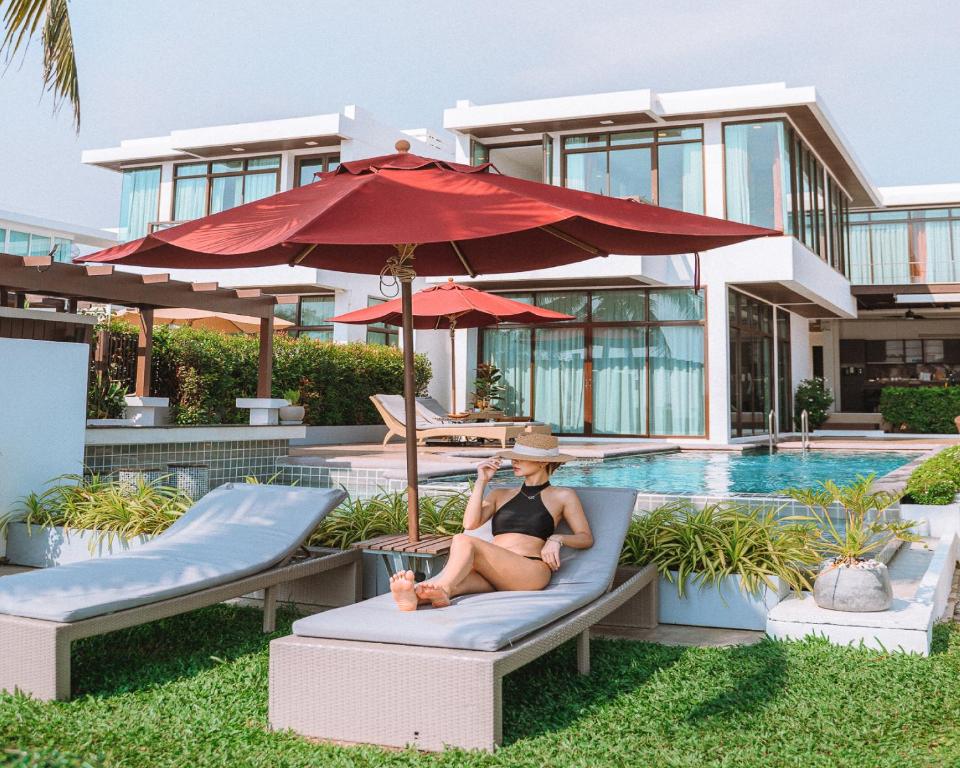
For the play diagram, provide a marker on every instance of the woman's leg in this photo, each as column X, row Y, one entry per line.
column 496, row 567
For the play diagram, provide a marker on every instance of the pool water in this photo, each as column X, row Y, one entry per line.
column 724, row 472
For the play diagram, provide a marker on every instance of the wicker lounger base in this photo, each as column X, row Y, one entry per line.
column 35, row 656
column 430, row 698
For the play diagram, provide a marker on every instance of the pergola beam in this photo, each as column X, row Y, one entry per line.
column 265, row 363
column 101, row 283
column 144, row 353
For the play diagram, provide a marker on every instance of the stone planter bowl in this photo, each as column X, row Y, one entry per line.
column 292, row 414
column 862, row 588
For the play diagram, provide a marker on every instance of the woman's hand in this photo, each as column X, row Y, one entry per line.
column 487, row 469
column 550, row 554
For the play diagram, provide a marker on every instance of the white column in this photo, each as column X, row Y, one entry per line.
column 718, row 362
column 713, row 168
column 831, row 359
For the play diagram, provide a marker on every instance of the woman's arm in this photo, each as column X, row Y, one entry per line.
column 581, row 538
column 480, row 509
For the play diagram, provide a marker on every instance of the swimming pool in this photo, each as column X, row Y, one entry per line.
column 725, row 472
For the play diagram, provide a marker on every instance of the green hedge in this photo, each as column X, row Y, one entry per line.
column 203, row 372
column 937, row 480
column 923, row 410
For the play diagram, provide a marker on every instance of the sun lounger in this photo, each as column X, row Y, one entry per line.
column 430, row 423
column 235, row 540
column 431, row 678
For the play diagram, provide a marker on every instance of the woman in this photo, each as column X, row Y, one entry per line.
column 525, row 550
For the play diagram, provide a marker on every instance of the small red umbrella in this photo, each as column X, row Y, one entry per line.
column 451, row 305
column 401, row 215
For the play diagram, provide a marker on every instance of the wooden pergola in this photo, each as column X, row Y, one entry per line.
column 101, row 283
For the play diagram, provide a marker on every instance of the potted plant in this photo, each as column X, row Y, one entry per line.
column 933, row 494
column 722, row 565
column 292, row 414
column 105, row 399
column 487, row 389
column 851, row 579
column 813, row 397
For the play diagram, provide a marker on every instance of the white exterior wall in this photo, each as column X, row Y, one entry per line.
column 43, row 392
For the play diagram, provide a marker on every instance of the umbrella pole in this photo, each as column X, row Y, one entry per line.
column 410, row 410
column 453, row 369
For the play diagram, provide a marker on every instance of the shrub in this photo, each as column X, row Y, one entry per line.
column 813, row 397
column 924, row 410
column 937, row 480
column 102, row 505
column 721, row 540
column 203, row 372
column 360, row 519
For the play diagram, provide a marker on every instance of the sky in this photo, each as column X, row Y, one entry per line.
column 889, row 73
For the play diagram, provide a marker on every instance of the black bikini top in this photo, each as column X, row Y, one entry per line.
column 525, row 513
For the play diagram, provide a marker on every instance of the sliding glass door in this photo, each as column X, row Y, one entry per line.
column 558, row 379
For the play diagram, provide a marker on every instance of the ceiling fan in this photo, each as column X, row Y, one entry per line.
column 911, row 315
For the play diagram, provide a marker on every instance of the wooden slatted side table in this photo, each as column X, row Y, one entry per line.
column 425, row 557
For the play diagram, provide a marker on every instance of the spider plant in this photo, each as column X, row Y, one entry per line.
column 358, row 519
column 98, row 504
column 704, row 546
column 866, row 527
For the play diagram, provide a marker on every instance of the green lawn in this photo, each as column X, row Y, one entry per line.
column 192, row 691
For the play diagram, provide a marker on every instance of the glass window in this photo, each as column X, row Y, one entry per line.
column 667, row 305
column 614, row 164
column 64, row 249
column 573, row 303
column 3, row 240
column 619, row 375
column 509, row 350
column 381, row 333
column 203, row 188
column 631, row 137
column 309, row 167
column 316, row 310
column 286, row 312
column 40, row 245
column 318, row 335
column 757, row 174
column 630, row 174
column 680, row 177
column 677, row 380
column 18, row 244
column 558, row 378
column 619, row 306
column 587, row 171
column 139, row 201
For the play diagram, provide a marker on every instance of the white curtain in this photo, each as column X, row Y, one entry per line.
column 933, row 242
column 258, row 186
column 558, row 379
column 676, row 380
column 736, row 143
column 509, row 350
column 692, row 178
column 619, row 381
column 191, row 199
column 858, row 260
column 139, row 201
column 890, row 253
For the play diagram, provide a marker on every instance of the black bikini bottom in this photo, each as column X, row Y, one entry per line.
column 531, row 557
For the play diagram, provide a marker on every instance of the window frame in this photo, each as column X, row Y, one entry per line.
column 391, row 333
column 653, row 145
column 326, row 157
column 587, row 325
column 298, row 328
column 209, row 176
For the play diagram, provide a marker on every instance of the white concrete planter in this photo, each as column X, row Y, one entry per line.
column 717, row 606
column 934, row 520
column 111, row 423
column 291, row 415
column 45, row 547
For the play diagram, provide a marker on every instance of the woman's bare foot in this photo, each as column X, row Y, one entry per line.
column 401, row 585
column 436, row 594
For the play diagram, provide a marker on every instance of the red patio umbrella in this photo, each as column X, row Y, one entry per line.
column 401, row 215
column 451, row 305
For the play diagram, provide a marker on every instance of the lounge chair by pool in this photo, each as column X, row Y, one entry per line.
column 235, row 540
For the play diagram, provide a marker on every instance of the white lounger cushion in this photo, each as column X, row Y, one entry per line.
column 234, row 531
column 488, row 622
column 430, row 415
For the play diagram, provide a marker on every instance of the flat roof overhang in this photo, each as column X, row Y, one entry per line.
column 784, row 296
column 915, row 295
column 102, row 283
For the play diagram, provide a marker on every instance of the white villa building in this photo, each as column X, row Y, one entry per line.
column 24, row 235
column 863, row 288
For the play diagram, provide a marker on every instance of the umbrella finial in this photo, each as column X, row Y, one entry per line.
column 402, row 146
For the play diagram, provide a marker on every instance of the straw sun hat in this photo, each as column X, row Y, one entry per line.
column 534, row 446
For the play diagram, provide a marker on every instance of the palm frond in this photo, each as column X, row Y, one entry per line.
column 23, row 19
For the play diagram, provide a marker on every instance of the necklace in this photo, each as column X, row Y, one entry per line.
column 535, row 493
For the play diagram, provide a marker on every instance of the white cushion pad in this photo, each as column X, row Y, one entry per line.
column 236, row 530
column 494, row 620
